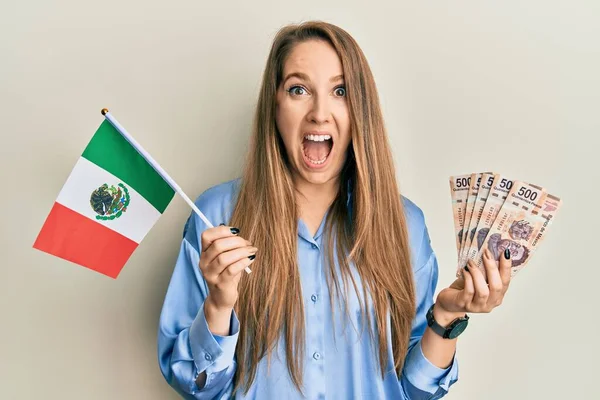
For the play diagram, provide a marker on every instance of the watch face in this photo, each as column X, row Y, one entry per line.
column 458, row 329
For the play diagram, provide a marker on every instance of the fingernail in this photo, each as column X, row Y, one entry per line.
column 467, row 268
column 235, row 231
column 507, row 254
column 252, row 257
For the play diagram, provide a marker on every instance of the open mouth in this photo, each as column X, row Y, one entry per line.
column 317, row 148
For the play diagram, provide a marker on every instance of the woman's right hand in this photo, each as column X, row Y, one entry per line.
column 223, row 258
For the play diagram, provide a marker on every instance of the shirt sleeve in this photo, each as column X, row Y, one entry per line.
column 420, row 378
column 186, row 347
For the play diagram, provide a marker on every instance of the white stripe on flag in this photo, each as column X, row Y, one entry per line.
column 86, row 177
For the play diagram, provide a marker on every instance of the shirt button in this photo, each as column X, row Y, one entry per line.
column 314, row 246
column 314, row 298
column 317, row 356
column 208, row 357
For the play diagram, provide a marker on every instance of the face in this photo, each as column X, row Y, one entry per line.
column 516, row 250
column 520, row 230
column 312, row 113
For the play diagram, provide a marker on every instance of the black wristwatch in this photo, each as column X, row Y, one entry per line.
column 452, row 331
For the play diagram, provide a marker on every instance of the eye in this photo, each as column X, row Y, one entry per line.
column 340, row 91
column 296, row 91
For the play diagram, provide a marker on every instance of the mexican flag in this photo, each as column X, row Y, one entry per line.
column 108, row 204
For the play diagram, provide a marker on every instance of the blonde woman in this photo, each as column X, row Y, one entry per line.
column 339, row 303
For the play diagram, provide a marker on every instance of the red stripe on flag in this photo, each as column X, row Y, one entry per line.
column 69, row 235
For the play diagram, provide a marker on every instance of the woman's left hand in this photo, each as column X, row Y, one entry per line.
column 471, row 293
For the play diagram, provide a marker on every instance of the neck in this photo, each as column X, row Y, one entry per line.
column 315, row 197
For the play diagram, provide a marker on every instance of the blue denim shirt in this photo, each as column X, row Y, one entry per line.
column 339, row 363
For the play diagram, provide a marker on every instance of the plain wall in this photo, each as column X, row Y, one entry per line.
column 507, row 86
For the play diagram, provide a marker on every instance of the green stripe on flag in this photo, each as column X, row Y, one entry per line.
column 109, row 150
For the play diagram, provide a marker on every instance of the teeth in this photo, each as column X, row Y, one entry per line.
column 317, row 162
column 317, row 138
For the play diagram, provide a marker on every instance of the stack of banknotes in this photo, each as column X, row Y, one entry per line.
column 494, row 212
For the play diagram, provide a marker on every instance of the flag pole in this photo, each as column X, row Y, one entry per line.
column 156, row 167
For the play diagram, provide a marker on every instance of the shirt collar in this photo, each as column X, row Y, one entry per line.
column 303, row 231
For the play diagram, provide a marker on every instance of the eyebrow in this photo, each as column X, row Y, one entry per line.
column 305, row 77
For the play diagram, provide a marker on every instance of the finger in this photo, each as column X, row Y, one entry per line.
column 218, row 232
column 233, row 272
column 227, row 258
column 495, row 286
column 469, row 290
column 481, row 288
column 505, row 269
column 222, row 245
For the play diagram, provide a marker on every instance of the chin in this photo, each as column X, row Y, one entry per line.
column 318, row 178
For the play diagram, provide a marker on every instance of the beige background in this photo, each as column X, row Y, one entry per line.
column 468, row 86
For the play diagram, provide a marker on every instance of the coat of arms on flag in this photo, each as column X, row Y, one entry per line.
column 110, row 202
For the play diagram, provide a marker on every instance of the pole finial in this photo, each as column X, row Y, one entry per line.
column 104, row 111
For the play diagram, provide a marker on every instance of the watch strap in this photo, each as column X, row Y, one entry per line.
column 440, row 330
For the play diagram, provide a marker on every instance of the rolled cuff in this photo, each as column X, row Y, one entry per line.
column 212, row 353
column 425, row 376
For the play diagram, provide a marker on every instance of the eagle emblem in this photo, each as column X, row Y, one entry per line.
column 110, row 202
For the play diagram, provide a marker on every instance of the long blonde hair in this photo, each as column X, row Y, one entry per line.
column 373, row 235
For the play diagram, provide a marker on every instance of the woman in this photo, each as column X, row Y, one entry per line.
column 343, row 274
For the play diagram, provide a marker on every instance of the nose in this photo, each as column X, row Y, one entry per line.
column 320, row 111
